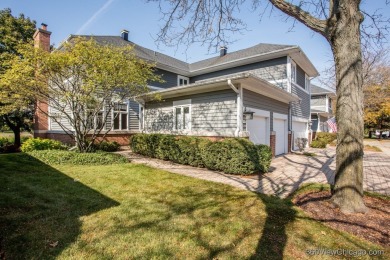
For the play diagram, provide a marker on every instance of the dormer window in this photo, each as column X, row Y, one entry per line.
column 181, row 80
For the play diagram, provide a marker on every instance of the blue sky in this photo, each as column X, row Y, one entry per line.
column 109, row 17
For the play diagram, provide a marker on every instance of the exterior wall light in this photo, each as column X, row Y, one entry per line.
column 248, row 115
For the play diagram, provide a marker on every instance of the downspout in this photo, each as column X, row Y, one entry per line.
column 239, row 108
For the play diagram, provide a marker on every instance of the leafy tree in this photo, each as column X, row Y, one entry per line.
column 377, row 99
column 15, row 109
column 80, row 80
column 340, row 22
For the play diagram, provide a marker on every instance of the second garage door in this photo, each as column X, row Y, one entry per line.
column 300, row 131
column 281, row 136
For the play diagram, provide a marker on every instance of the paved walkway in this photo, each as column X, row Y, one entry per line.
column 287, row 172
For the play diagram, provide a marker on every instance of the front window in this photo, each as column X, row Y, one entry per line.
column 120, row 115
column 182, row 114
column 95, row 120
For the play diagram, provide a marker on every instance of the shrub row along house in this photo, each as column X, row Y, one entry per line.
column 262, row 93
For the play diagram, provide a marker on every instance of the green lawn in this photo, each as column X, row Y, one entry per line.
column 10, row 134
column 127, row 211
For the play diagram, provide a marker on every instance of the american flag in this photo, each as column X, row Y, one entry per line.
column 332, row 124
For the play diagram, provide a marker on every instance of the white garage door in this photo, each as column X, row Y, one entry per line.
column 257, row 128
column 300, row 131
column 281, row 136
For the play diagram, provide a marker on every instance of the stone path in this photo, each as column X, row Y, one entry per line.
column 287, row 172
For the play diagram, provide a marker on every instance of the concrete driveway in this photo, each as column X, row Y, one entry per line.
column 287, row 172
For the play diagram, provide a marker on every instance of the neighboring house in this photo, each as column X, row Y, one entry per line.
column 262, row 92
column 321, row 109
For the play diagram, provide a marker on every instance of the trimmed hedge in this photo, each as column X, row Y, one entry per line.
column 318, row 144
column 33, row 144
column 76, row 158
column 326, row 137
column 322, row 139
column 231, row 155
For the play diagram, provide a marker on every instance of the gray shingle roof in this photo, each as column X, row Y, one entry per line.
column 141, row 52
column 148, row 54
column 258, row 49
column 314, row 89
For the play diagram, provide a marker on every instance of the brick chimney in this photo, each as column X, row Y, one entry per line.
column 41, row 120
column 42, row 38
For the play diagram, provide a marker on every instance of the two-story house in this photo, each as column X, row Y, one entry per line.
column 262, row 93
column 321, row 104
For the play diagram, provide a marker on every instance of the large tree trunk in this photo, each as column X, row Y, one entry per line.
column 345, row 42
column 15, row 129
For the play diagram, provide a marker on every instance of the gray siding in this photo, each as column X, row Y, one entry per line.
column 302, row 109
column 210, row 112
column 270, row 70
column 61, row 118
column 254, row 100
column 300, row 77
column 170, row 79
column 133, row 115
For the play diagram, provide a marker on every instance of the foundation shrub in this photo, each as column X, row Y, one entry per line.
column 231, row 155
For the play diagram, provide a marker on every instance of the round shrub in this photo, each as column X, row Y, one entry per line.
column 34, row 144
column 189, row 148
column 232, row 155
column 167, row 148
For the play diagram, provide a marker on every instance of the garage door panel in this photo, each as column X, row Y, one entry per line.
column 300, row 131
column 257, row 128
column 281, row 136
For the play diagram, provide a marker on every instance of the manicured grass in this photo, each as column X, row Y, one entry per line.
column 127, row 211
column 10, row 134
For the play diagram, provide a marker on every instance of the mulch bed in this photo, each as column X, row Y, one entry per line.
column 372, row 226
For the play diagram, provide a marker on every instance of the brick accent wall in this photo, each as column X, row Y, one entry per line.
column 64, row 138
column 289, row 141
column 272, row 141
column 122, row 139
column 41, row 121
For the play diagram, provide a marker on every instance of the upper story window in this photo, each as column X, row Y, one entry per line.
column 293, row 72
column 181, row 80
column 307, row 82
column 182, row 114
column 120, row 116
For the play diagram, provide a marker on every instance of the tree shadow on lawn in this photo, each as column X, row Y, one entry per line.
column 40, row 208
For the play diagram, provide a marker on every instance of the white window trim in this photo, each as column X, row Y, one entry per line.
column 288, row 74
column 179, row 77
column 181, row 104
column 307, row 83
column 120, row 121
